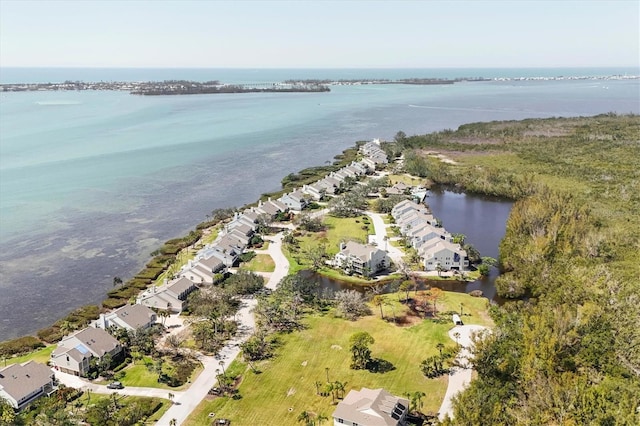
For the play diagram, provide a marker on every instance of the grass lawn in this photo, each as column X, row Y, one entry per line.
column 181, row 259
column 260, row 263
column 338, row 229
column 286, row 385
column 211, row 237
column 41, row 355
column 138, row 375
column 407, row 180
column 125, row 399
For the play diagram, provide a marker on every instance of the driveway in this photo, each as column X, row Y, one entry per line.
column 381, row 232
column 79, row 383
column 460, row 377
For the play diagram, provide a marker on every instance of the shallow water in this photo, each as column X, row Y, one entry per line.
column 92, row 182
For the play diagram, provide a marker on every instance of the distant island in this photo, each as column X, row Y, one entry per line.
column 169, row 87
column 186, row 87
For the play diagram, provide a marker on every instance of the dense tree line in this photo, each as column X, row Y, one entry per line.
column 565, row 350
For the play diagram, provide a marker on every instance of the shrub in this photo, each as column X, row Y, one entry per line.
column 112, row 303
column 50, row 334
column 20, row 345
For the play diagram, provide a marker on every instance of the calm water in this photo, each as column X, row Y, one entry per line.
column 92, row 182
column 483, row 221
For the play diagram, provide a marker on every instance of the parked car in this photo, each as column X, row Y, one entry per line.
column 115, row 385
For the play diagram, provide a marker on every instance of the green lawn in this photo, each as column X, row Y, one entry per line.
column 138, row 375
column 41, row 355
column 338, row 229
column 407, row 180
column 211, row 237
column 286, row 385
column 260, row 263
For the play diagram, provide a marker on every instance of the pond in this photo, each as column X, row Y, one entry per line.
column 482, row 219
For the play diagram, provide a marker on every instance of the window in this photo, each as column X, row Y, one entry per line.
column 340, row 421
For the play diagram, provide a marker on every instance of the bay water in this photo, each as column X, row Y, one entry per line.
column 92, row 182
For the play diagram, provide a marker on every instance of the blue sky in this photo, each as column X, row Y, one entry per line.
column 319, row 34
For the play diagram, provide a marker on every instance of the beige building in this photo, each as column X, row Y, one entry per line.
column 74, row 352
column 129, row 317
column 371, row 407
column 361, row 259
column 21, row 384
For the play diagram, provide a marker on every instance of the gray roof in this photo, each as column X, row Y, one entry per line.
column 241, row 227
column 95, row 340
column 20, row 380
column 212, row 263
column 135, row 316
column 252, row 215
column 358, row 250
column 371, row 407
column 180, row 285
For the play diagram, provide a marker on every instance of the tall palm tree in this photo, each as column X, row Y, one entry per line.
column 440, row 347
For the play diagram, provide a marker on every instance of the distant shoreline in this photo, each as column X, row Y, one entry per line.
column 189, row 87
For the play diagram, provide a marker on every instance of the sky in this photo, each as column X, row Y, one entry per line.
column 319, row 34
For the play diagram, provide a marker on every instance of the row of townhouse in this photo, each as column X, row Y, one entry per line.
column 373, row 154
column 434, row 244
column 330, row 183
column 211, row 262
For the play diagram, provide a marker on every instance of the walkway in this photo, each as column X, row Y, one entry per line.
column 460, row 377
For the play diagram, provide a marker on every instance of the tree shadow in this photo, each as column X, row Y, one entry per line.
column 378, row 365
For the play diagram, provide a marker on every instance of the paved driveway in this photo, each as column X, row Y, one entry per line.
column 459, row 378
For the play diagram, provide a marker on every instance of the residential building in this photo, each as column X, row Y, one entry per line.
column 371, row 407
column 295, row 200
column 128, row 317
column 171, row 296
column 21, row 384
column 270, row 207
column 446, row 254
column 361, row 259
column 75, row 351
column 203, row 270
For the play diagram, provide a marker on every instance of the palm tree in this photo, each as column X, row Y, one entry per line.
column 339, row 388
column 117, row 281
column 379, row 300
column 439, row 268
column 318, row 384
column 163, row 314
column 416, row 400
column 440, row 346
column 304, row 417
column 330, row 389
column 321, row 418
column 457, row 337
